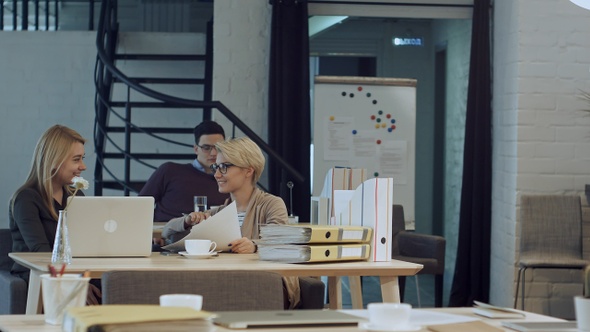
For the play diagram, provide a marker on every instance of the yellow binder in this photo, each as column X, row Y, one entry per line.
column 283, row 234
column 293, row 253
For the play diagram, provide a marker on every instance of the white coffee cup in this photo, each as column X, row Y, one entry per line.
column 394, row 315
column 582, row 307
column 200, row 247
column 182, row 300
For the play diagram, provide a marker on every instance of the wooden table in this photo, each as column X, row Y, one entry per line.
column 36, row 323
column 388, row 272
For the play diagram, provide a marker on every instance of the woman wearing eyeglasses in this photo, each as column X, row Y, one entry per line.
column 238, row 167
column 237, row 170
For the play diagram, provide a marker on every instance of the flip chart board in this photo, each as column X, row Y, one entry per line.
column 367, row 122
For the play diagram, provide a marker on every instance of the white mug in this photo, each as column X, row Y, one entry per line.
column 200, row 247
column 182, row 300
column 582, row 307
column 394, row 315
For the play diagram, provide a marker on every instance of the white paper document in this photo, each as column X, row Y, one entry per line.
column 222, row 228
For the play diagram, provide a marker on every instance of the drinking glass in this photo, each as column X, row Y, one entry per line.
column 200, row 203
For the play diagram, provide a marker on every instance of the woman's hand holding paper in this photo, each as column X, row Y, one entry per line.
column 194, row 218
column 243, row 246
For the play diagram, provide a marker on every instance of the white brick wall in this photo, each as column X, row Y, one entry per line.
column 505, row 115
column 541, row 138
column 241, row 48
column 45, row 78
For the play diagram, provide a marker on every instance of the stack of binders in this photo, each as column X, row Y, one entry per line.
column 314, row 243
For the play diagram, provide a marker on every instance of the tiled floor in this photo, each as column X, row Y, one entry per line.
column 372, row 291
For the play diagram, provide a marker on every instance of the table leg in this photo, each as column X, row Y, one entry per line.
column 335, row 292
column 356, row 292
column 390, row 289
column 34, row 300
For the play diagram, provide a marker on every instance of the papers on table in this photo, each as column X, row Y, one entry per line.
column 491, row 311
column 221, row 228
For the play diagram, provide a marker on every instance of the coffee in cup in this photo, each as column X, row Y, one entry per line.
column 200, row 247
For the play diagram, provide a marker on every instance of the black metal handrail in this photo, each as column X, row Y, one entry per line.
column 106, row 71
column 44, row 11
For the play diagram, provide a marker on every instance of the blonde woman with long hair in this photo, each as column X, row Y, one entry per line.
column 33, row 211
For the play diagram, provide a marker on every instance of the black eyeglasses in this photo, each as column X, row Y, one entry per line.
column 207, row 147
column 221, row 167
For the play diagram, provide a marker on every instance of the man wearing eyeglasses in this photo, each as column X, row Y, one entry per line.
column 174, row 185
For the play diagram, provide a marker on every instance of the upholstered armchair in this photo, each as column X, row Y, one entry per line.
column 221, row 290
column 13, row 290
column 428, row 250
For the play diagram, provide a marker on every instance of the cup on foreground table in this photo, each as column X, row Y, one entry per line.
column 61, row 293
column 582, row 307
column 200, row 247
column 392, row 315
column 182, row 300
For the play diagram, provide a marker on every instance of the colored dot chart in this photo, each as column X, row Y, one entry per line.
column 381, row 116
column 366, row 123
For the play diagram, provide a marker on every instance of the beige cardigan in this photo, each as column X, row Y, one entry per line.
column 263, row 209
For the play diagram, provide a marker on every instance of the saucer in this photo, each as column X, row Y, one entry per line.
column 379, row 328
column 198, row 256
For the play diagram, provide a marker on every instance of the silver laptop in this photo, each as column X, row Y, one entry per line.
column 286, row 318
column 105, row 226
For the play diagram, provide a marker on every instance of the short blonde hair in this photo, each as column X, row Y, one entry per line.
column 243, row 152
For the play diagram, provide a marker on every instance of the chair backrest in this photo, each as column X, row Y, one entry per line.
column 398, row 224
column 551, row 226
column 5, row 248
column 221, row 290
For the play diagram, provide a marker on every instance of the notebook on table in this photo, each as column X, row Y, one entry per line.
column 563, row 326
column 110, row 226
column 285, row 318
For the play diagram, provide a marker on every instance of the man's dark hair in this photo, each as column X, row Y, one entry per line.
column 207, row 127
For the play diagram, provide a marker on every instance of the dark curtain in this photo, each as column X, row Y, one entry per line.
column 472, row 271
column 289, row 127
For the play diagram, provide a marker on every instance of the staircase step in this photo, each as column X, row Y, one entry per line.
column 152, row 130
column 147, row 104
column 164, row 80
column 150, row 156
column 161, row 57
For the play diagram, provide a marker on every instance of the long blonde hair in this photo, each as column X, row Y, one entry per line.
column 51, row 151
column 243, row 152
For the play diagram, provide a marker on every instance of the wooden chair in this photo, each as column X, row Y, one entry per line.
column 221, row 290
column 550, row 236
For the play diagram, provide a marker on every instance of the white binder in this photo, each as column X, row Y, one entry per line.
column 337, row 178
column 371, row 206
